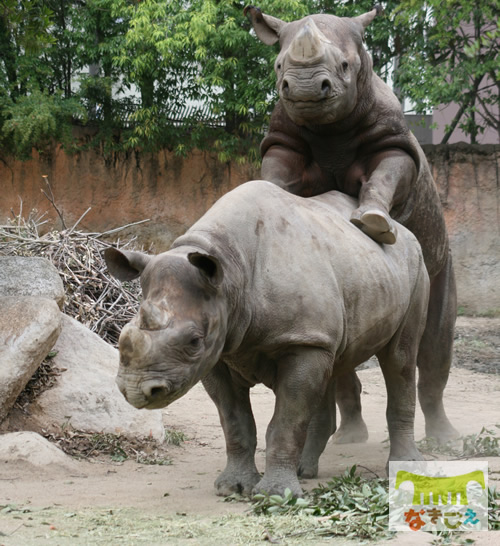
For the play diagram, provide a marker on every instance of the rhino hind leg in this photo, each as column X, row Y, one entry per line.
column 321, row 427
column 375, row 223
column 398, row 361
column 353, row 429
column 435, row 354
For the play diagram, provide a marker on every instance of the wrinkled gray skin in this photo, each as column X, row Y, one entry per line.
column 338, row 126
column 266, row 288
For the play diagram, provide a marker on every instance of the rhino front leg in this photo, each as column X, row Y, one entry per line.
column 385, row 186
column 301, row 382
column 235, row 412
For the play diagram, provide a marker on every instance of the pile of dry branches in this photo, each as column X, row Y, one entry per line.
column 97, row 300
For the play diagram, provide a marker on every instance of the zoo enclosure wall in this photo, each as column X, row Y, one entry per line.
column 173, row 192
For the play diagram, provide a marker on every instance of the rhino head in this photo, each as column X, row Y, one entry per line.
column 322, row 65
column 179, row 330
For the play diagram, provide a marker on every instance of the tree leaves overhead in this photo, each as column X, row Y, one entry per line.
column 179, row 74
column 454, row 58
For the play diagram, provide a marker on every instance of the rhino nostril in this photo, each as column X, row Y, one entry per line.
column 158, row 391
column 155, row 392
column 285, row 88
column 326, row 88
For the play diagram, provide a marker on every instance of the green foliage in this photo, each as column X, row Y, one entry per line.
column 180, row 75
column 358, row 507
column 37, row 119
column 352, row 506
column 454, row 58
column 493, row 509
column 174, row 437
column 484, row 444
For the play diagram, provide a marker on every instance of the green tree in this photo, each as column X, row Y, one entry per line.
column 180, row 74
column 35, row 75
column 454, row 59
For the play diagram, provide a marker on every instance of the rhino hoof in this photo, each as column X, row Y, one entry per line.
column 242, row 484
column 267, row 487
column 377, row 225
column 351, row 433
column 307, row 470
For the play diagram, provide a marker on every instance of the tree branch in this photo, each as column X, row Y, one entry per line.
column 471, row 98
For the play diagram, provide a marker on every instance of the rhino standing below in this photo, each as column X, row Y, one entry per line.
column 266, row 288
column 338, row 126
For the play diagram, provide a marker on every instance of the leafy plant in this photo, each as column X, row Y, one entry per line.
column 484, row 444
column 174, row 437
column 349, row 505
column 37, row 119
column 493, row 509
column 454, row 57
column 355, row 507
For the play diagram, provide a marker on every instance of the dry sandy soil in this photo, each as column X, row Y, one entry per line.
column 129, row 503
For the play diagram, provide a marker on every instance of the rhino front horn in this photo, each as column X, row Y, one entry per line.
column 152, row 317
column 308, row 44
column 133, row 343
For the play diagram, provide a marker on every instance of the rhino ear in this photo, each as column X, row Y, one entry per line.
column 209, row 266
column 266, row 27
column 366, row 18
column 125, row 265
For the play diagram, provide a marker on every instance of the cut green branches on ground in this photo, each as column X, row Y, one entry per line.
column 349, row 505
column 484, row 444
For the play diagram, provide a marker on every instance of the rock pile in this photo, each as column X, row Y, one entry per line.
column 32, row 325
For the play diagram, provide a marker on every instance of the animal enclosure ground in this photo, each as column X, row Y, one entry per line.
column 106, row 502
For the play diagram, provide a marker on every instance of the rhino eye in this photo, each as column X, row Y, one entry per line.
column 345, row 66
column 195, row 342
column 278, row 66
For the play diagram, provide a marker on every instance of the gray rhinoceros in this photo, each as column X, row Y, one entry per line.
column 271, row 288
column 338, row 126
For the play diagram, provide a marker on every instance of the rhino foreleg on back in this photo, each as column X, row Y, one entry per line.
column 386, row 186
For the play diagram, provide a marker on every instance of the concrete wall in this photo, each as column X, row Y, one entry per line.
column 170, row 191
column 173, row 192
column 468, row 178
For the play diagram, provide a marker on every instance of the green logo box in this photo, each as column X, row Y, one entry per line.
column 438, row 496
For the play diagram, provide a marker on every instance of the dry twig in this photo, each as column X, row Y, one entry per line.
column 93, row 297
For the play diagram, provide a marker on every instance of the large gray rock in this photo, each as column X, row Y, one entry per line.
column 20, row 276
column 29, row 448
column 86, row 394
column 29, row 327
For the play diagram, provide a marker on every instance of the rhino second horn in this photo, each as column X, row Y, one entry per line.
column 152, row 317
column 308, row 44
column 133, row 343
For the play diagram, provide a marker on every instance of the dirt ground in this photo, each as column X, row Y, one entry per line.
column 131, row 503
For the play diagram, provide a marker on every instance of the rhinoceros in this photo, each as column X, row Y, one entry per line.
column 338, row 126
column 272, row 288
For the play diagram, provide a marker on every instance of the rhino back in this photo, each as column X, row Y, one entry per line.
column 307, row 274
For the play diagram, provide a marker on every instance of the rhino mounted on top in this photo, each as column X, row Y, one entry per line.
column 338, row 126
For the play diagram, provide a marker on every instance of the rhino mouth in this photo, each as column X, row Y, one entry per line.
column 311, row 103
column 321, row 110
column 151, row 393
